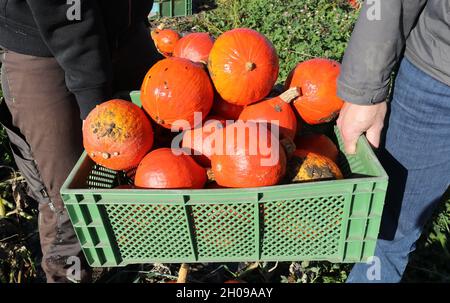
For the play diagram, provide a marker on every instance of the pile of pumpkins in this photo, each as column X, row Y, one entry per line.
column 227, row 82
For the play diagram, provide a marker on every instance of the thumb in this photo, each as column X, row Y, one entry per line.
column 350, row 139
column 373, row 135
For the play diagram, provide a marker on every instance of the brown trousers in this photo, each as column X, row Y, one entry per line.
column 42, row 120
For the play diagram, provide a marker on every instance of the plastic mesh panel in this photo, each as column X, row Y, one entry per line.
column 224, row 230
column 149, row 231
column 101, row 177
column 305, row 227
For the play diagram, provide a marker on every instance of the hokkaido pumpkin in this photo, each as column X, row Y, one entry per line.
column 318, row 144
column 247, row 155
column 226, row 110
column 174, row 89
column 165, row 40
column 356, row 4
column 316, row 78
column 161, row 168
column 117, row 134
column 311, row 167
column 195, row 47
column 198, row 141
column 276, row 111
column 243, row 65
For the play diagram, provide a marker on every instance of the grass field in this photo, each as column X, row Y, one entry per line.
column 299, row 30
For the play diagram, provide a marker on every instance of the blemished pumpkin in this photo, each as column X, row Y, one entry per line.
column 165, row 40
column 174, row 89
column 304, row 167
column 226, row 110
column 316, row 78
column 247, row 155
column 163, row 169
column 195, row 47
column 318, row 144
column 243, row 65
column 198, row 141
column 117, row 134
column 276, row 111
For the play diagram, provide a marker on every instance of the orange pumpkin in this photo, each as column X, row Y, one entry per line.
column 312, row 167
column 225, row 109
column 247, row 155
column 356, row 4
column 163, row 169
column 243, row 65
column 165, row 40
column 275, row 111
column 198, row 141
column 117, row 134
column 317, row 80
column 175, row 89
column 195, row 47
column 318, row 144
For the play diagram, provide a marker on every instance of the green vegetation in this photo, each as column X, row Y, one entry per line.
column 299, row 30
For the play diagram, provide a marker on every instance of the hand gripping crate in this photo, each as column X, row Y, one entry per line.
column 171, row 8
column 335, row 220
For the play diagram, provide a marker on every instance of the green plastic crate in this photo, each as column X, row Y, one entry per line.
column 336, row 220
column 171, row 8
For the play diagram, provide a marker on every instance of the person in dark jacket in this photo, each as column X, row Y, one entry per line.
column 416, row 147
column 60, row 59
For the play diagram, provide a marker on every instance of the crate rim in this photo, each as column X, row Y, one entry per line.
column 382, row 176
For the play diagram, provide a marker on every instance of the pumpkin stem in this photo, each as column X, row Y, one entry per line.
column 210, row 174
column 250, row 66
column 290, row 94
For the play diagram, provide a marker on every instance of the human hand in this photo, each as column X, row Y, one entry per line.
column 355, row 119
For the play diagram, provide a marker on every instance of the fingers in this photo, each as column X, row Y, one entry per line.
column 373, row 135
column 354, row 120
column 350, row 137
column 349, row 132
column 340, row 118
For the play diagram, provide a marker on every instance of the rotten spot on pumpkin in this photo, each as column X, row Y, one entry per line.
column 316, row 172
column 166, row 85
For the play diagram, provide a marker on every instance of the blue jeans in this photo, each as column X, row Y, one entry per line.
column 416, row 155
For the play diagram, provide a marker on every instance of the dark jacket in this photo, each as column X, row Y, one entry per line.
column 420, row 26
column 82, row 47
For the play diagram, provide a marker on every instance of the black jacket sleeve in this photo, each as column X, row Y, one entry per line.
column 374, row 48
column 79, row 46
